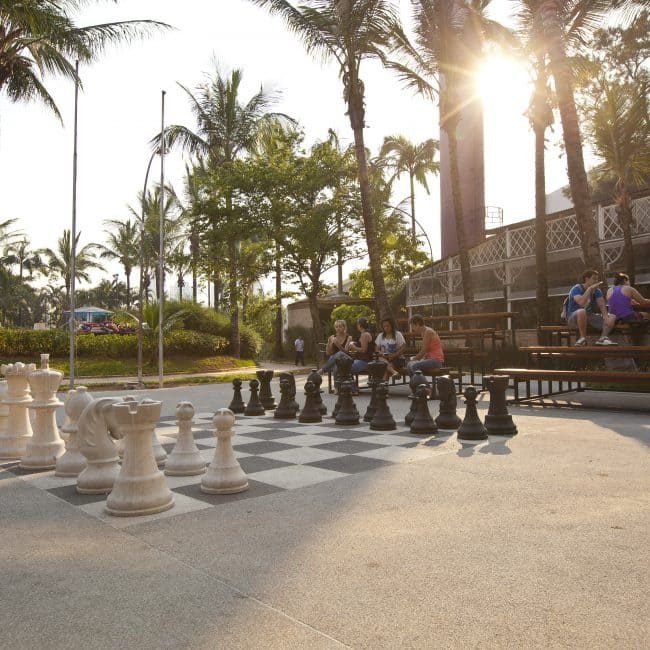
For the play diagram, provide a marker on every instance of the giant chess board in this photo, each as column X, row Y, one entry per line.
column 277, row 455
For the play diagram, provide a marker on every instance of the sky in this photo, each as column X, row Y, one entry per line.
column 120, row 111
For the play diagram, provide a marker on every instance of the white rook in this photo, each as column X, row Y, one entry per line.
column 46, row 444
column 140, row 488
column 13, row 442
column 72, row 463
column 185, row 459
column 224, row 475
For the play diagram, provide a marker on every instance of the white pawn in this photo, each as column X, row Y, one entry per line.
column 224, row 475
column 97, row 446
column 18, row 431
column 185, row 459
column 72, row 463
column 140, row 488
column 46, row 445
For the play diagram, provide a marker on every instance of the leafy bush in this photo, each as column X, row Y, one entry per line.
column 250, row 341
column 350, row 314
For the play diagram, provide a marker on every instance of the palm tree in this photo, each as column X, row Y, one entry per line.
column 8, row 237
column 349, row 32
column 123, row 246
column 226, row 129
column 19, row 254
column 40, row 37
column 60, row 260
column 553, row 15
column 416, row 160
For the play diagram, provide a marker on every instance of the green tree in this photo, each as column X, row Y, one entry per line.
column 60, row 260
column 416, row 160
column 226, row 128
column 348, row 33
column 19, row 254
column 123, row 238
column 40, row 38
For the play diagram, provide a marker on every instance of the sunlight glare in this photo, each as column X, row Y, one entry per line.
column 502, row 81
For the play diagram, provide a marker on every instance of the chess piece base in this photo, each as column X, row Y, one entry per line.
column 138, row 513
column 500, row 425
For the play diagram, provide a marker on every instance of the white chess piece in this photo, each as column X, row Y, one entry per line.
column 4, row 409
column 72, row 463
column 46, row 444
column 185, row 459
column 140, row 488
column 96, row 444
column 13, row 442
column 224, row 475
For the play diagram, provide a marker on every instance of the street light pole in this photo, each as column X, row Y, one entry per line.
column 73, row 232
column 161, row 274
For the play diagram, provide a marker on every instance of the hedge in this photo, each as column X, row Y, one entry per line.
column 16, row 342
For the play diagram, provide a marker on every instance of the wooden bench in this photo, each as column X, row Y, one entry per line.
column 559, row 353
column 568, row 377
column 560, row 333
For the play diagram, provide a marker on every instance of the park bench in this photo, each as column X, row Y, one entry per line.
column 560, row 334
column 565, row 379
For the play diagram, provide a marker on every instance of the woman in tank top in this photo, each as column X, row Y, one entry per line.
column 621, row 299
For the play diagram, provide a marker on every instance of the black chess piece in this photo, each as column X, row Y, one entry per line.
column 383, row 419
column 448, row 418
column 498, row 420
column 422, row 422
column 285, row 409
column 315, row 377
column 347, row 413
column 471, row 427
column 254, row 406
column 310, row 412
column 343, row 373
column 288, row 376
column 376, row 372
column 266, row 396
column 417, row 379
column 237, row 405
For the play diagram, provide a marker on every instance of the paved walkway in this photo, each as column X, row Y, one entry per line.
column 539, row 541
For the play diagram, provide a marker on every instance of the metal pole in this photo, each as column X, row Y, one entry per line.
column 161, row 272
column 141, row 290
column 73, row 229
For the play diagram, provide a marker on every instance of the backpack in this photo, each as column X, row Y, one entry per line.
column 565, row 306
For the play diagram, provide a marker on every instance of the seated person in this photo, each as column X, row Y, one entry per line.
column 430, row 354
column 337, row 345
column 391, row 346
column 621, row 299
column 585, row 300
column 363, row 350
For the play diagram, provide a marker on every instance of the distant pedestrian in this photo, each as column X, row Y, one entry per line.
column 299, row 345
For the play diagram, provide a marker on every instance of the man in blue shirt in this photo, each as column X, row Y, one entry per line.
column 585, row 301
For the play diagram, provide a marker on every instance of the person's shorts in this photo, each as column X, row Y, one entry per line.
column 636, row 317
column 594, row 320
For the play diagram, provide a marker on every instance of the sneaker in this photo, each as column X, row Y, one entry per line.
column 581, row 341
column 605, row 340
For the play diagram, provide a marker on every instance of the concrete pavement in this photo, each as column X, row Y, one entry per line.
column 538, row 541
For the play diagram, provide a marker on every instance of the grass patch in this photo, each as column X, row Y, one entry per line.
column 97, row 367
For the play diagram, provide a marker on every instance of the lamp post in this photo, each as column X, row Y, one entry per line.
column 73, row 231
column 424, row 232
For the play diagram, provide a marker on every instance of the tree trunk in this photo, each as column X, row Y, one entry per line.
column 413, row 237
column 233, row 289
column 354, row 94
column 624, row 210
column 463, row 253
column 278, row 351
column 128, row 290
column 549, row 14
column 317, row 328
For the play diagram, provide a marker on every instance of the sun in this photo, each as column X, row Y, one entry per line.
column 502, row 81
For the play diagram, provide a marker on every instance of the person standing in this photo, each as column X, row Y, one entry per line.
column 299, row 346
column 430, row 354
column 584, row 302
column 622, row 298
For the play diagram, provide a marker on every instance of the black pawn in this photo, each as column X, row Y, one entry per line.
column 498, row 421
column 254, row 406
column 343, row 373
column 376, row 371
column 471, row 428
column 422, row 422
column 292, row 388
column 237, row 405
column 310, row 412
column 417, row 379
column 315, row 377
column 347, row 413
column 266, row 397
column 448, row 418
column 383, row 419
column 285, row 409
